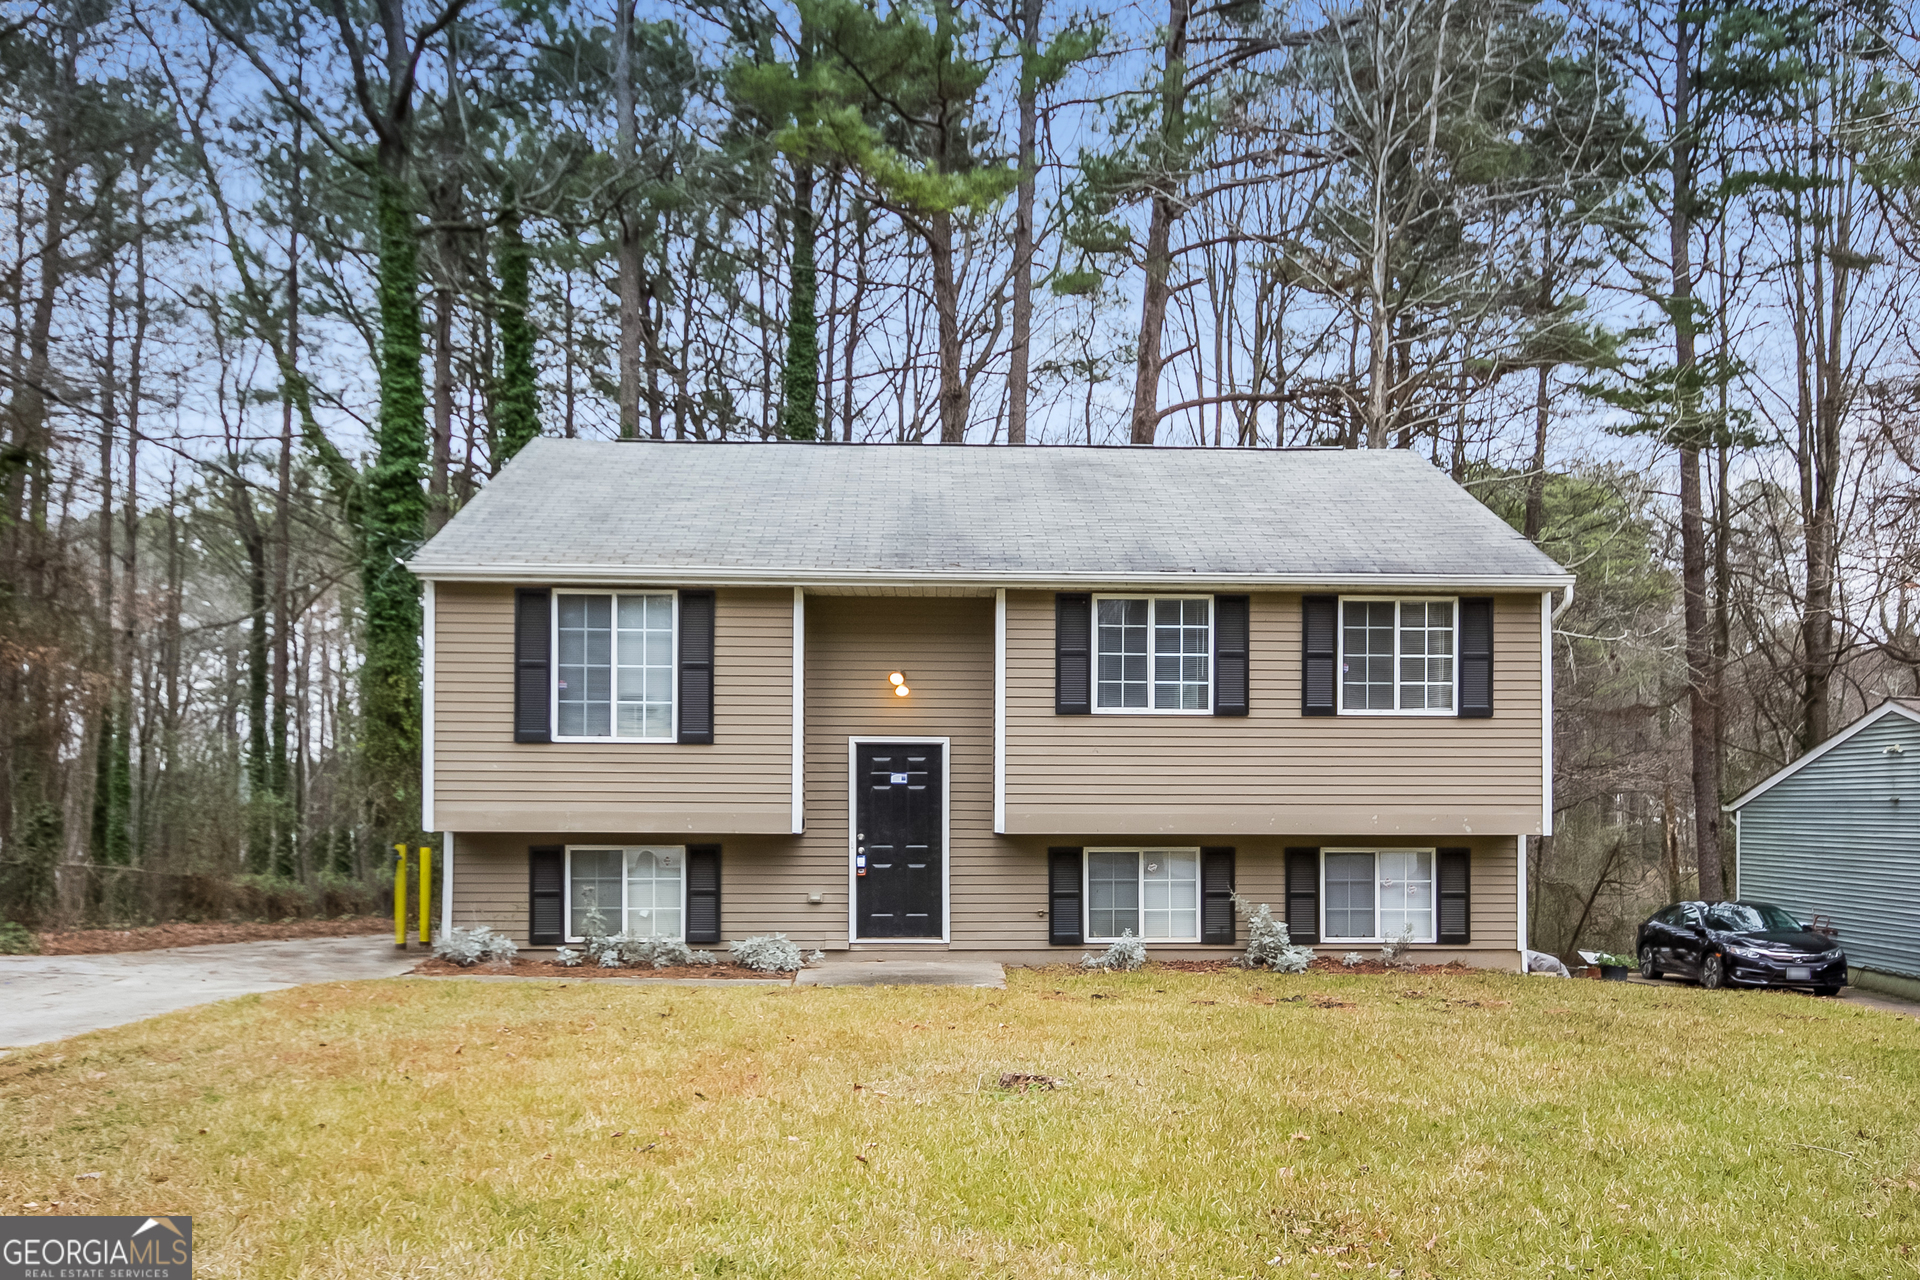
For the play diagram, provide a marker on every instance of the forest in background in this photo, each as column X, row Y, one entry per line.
column 284, row 284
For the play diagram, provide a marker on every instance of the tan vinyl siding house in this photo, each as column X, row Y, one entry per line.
column 484, row 781
column 1268, row 771
column 662, row 670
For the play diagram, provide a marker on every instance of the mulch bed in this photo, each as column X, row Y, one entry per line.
column 434, row 967
column 1320, row 964
column 97, row 942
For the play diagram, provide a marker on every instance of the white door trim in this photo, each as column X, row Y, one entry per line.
column 946, row 838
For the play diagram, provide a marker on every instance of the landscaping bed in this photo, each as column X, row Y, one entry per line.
column 523, row 967
column 156, row 937
column 1372, row 967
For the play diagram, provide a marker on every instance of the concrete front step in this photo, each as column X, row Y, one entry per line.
column 942, row 969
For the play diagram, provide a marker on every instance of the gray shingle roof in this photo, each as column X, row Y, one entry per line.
column 573, row 510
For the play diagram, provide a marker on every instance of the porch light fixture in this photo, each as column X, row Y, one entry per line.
column 898, row 679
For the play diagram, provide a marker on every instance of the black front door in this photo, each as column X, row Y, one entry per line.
column 897, row 846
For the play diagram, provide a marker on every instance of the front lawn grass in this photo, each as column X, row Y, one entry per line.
column 1210, row 1125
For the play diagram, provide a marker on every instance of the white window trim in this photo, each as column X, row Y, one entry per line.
column 1093, row 682
column 1340, row 658
column 1376, row 850
column 1140, row 854
column 566, row 885
column 946, row 839
column 553, row 664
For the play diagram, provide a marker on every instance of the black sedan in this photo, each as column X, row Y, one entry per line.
column 1744, row 944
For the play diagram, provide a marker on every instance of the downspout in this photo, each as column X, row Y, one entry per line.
column 1564, row 604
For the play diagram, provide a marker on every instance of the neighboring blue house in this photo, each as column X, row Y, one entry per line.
column 1836, row 834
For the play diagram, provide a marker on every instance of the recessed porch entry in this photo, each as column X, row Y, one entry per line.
column 899, row 839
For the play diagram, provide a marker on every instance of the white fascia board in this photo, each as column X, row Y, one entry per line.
column 823, row 579
column 799, row 711
column 426, row 713
column 1546, row 712
column 446, row 883
column 1520, row 898
column 1000, row 711
column 1874, row 716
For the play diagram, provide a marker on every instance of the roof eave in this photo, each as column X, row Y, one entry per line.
column 780, row 576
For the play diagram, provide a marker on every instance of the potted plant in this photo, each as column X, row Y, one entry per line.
column 1614, row 968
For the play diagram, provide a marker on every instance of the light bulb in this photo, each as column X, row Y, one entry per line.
column 900, row 691
column 897, row 678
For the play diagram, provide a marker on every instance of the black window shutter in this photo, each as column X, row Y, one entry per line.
column 1455, row 897
column 1476, row 658
column 1063, row 897
column 1319, row 653
column 696, row 666
column 1072, row 653
column 1216, row 895
column 1230, row 626
column 546, row 883
column 703, row 893
column 1303, row 895
column 532, row 687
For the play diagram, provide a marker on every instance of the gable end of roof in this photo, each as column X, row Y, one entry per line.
column 1892, row 706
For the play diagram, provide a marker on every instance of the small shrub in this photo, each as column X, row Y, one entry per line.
column 15, row 940
column 1398, row 952
column 661, row 953
column 1269, row 945
column 593, row 925
column 1123, row 956
column 622, row 952
column 568, row 956
column 470, row 946
column 770, row 953
column 1353, row 959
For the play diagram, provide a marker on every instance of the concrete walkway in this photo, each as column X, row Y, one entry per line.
column 46, row 998
column 942, row 972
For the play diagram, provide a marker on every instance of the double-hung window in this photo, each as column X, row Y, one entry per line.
column 1153, row 653
column 1151, row 893
column 1377, row 895
column 1398, row 656
column 640, row 892
column 614, row 676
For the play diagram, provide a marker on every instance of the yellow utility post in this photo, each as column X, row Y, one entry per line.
column 400, row 898
column 426, row 894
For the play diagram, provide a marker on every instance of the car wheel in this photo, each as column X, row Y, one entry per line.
column 1826, row 991
column 1649, row 967
column 1713, row 972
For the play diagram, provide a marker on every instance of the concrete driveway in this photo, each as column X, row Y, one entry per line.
column 52, row 997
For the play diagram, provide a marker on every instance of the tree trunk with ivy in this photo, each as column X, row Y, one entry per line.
column 519, row 402
column 396, row 519
column 800, row 379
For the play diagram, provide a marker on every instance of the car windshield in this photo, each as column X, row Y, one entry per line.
column 1751, row 917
